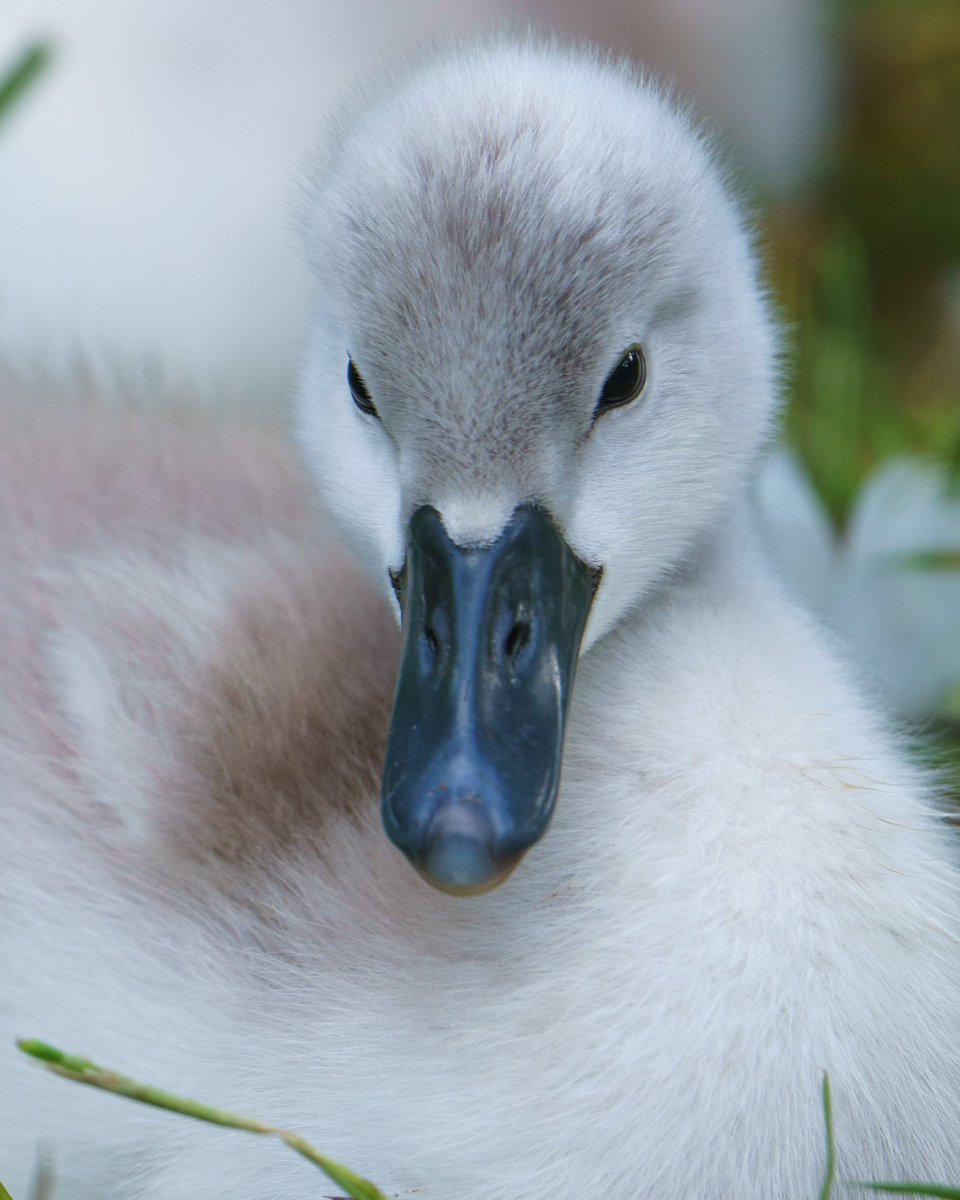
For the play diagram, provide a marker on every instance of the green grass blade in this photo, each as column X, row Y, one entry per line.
column 353, row 1185
column 831, row 1168
column 4, row 1194
column 15, row 82
column 914, row 1189
column 82, row 1070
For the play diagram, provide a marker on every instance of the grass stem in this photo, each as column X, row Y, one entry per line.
column 82, row 1070
column 831, row 1168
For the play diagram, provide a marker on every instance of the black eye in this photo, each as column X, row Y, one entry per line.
column 624, row 383
column 359, row 390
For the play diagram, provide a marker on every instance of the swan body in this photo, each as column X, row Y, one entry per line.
column 745, row 882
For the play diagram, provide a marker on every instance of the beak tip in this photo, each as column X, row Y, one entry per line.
column 464, row 866
column 458, row 861
column 455, row 849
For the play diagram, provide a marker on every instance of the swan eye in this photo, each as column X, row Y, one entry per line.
column 624, row 383
column 359, row 390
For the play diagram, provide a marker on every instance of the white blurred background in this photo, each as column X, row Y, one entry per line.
column 147, row 180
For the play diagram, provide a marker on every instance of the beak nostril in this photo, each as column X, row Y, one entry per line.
column 516, row 639
column 430, row 648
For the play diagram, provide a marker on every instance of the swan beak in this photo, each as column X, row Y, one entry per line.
column 491, row 639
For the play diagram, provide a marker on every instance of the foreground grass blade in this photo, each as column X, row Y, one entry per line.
column 16, row 81
column 914, row 1189
column 70, row 1066
column 831, row 1169
column 4, row 1194
column 82, row 1070
column 896, row 1189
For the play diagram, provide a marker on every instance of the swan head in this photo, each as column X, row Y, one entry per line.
column 539, row 367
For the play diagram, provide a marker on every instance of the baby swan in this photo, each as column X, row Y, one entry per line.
column 540, row 374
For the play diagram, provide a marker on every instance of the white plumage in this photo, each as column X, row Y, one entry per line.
column 746, row 882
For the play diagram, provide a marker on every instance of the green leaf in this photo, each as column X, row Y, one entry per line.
column 4, row 1194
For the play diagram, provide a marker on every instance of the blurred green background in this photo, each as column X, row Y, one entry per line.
column 866, row 266
column 867, row 263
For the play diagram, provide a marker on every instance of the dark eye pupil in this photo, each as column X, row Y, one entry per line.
column 624, row 381
column 359, row 390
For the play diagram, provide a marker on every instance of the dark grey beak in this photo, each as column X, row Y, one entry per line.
column 491, row 639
